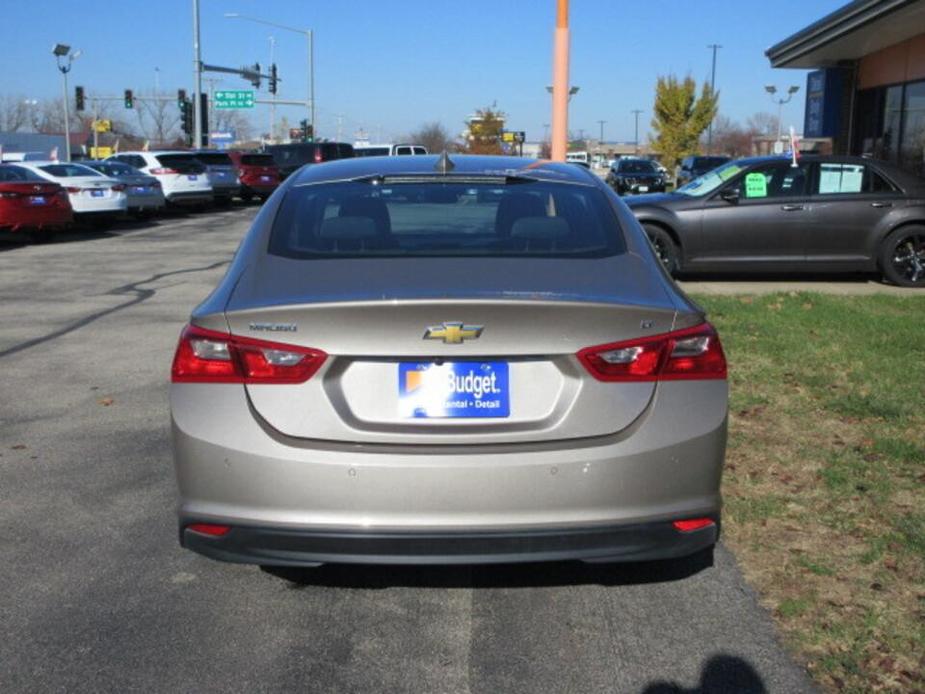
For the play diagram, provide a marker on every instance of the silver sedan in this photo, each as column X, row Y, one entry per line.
column 419, row 360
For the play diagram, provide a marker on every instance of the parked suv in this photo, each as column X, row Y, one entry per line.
column 222, row 174
column 692, row 167
column 183, row 177
column 289, row 158
column 631, row 175
column 258, row 173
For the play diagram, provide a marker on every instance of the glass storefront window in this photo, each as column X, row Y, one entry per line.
column 892, row 119
column 913, row 129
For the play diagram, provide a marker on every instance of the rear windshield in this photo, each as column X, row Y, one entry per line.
column 410, row 219
column 214, row 159
column 68, row 170
column 257, row 160
column 113, row 169
column 17, row 173
column 183, row 163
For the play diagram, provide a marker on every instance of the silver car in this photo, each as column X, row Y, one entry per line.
column 414, row 360
column 222, row 173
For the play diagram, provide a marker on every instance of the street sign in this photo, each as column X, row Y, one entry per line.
column 515, row 136
column 233, row 98
column 101, row 152
column 104, row 125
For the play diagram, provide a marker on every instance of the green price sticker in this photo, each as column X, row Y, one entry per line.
column 756, row 186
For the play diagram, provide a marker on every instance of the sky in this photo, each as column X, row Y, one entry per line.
column 388, row 67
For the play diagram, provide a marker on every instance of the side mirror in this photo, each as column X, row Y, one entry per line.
column 730, row 195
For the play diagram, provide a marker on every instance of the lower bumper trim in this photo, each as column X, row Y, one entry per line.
column 291, row 547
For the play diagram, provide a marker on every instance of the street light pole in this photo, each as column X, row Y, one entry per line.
column 601, row 123
column 780, row 101
column 60, row 51
column 714, row 47
column 309, row 35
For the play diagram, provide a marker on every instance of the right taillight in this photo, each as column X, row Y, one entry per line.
column 208, row 356
column 692, row 353
column 163, row 171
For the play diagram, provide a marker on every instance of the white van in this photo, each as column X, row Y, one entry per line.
column 388, row 150
column 580, row 157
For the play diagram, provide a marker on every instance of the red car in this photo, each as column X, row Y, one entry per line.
column 30, row 204
column 258, row 172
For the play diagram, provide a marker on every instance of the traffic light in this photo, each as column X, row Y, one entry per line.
column 181, row 98
column 252, row 74
column 272, row 86
column 308, row 130
column 129, row 99
column 79, row 98
column 204, row 119
column 186, row 116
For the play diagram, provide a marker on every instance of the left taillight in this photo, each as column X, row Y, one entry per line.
column 689, row 354
column 209, row 356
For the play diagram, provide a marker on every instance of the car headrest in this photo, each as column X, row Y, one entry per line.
column 514, row 206
column 540, row 228
column 373, row 208
column 348, row 228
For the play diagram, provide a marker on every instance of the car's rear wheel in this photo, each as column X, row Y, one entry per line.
column 902, row 256
column 665, row 248
column 247, row 195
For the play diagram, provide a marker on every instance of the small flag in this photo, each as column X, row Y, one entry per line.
column 794, row 147
column 53, row 154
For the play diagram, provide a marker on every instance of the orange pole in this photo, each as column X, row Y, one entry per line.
column 560, row 84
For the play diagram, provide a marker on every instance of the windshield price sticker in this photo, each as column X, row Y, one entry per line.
column 756, row 186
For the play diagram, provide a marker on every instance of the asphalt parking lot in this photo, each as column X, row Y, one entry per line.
column 99, row 596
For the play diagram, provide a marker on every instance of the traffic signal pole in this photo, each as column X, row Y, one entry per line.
column 560, row 87
column 197, row 79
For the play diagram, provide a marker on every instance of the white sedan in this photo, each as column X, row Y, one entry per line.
column 92, row 195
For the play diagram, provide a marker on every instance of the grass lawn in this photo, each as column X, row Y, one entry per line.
column 825, row 477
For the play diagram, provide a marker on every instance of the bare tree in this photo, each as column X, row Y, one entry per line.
column 14, row 113
column 762, row 123
column 233, row 119
column 158, row 119
column 434, row 136
column 730, row 138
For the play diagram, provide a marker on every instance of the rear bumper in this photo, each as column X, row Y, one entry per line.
column 311, row 501
column 288, row 547
column 189, row 197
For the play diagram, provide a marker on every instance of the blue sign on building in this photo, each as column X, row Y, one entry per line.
column 823, row 101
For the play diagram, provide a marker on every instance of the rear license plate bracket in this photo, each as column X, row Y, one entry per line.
column 454, row 390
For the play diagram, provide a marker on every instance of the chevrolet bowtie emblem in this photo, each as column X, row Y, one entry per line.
column 452, row 333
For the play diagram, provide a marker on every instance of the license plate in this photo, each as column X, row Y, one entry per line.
column 37, row 200
column 453, row 390
column 96, row 193
column 264, row 179
column 643, row 189
column 140, row 189
column 193, row 178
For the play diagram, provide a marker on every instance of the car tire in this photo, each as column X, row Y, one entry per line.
column 247, row 195
column 902, row 256
column 665, row 248
column 40, row 236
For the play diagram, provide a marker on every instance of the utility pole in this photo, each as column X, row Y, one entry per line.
column 636, row 112
column 545, row 132
column 560, row 89
column 601, row 123
column 340, row 124
column 197, row 80
column 714, row 47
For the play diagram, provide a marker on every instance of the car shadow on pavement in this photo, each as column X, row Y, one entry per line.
column 493, row 575
column 721, row 674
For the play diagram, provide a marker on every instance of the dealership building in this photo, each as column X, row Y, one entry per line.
column 867, row 90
